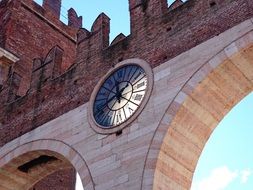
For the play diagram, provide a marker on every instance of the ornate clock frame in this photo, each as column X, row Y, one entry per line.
column 149, row 73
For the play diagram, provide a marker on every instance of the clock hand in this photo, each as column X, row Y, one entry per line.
column 123, row 89
column 126, row 93
column 105, row 104
column 117, row 92
column 130, row 101
column 117, row 87
column 110, row 99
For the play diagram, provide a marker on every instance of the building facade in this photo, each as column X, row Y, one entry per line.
column 196, row 58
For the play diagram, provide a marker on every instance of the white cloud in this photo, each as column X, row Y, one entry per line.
column 219, row 179
column 245, row 175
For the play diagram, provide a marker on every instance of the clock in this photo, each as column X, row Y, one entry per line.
column 120, row 95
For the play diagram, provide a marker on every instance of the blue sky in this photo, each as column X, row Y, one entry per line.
column 227, row 158
column 227, row 161
column 117, row 10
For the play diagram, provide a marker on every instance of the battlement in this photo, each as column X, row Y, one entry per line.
column 38, row 30
column 158, row 33
column 50, row 12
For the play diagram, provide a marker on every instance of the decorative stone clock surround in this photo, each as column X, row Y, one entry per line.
column 149, row 74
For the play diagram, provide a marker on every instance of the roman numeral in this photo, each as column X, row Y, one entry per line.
column 138, row 97
column 138, row 74
column 118, row 118
column 136, row 69
column 140, row 84
column 120, row 73
column 130, row 110
column 108, row 120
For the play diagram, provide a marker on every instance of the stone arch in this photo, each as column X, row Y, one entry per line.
column 60, row 156
column 195, row 112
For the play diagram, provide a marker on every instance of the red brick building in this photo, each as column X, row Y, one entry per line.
column 48, row 71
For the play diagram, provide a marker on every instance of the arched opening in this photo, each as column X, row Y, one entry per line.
column 24, row 166
column 26, row 170
column 226, row 161
column 60, row 179
column 63, row 178
column 190, row 120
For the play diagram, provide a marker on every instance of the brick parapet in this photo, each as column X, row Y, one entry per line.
column 51, row 18
column 73, row 19
column 156, row 41
column 29, row 30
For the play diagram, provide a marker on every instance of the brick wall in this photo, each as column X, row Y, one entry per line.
column 30, row 32
column 4, row 16
column 61, row 180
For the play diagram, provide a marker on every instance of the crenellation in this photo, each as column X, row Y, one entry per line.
column 37, row 63
column 136, row 9
column 57, row 61
column 14, row 85
column 118, row 38
column 37, row 8
column 49, row 17
column 156, row 8
column 118, row 50
column 45, row 70
column 53, row 6
column 82, row 35
column 73, row 19
column 134, row 4
column 93, row 43
column 101, row 28
column 34, row 21
column 175, row 4
column 54, row 62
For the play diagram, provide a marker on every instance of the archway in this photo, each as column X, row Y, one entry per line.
column 27, row 164
column 196, row 111
column 226, row 160
column 25, row 170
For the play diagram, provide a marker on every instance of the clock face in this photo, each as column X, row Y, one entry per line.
column 120, row 96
